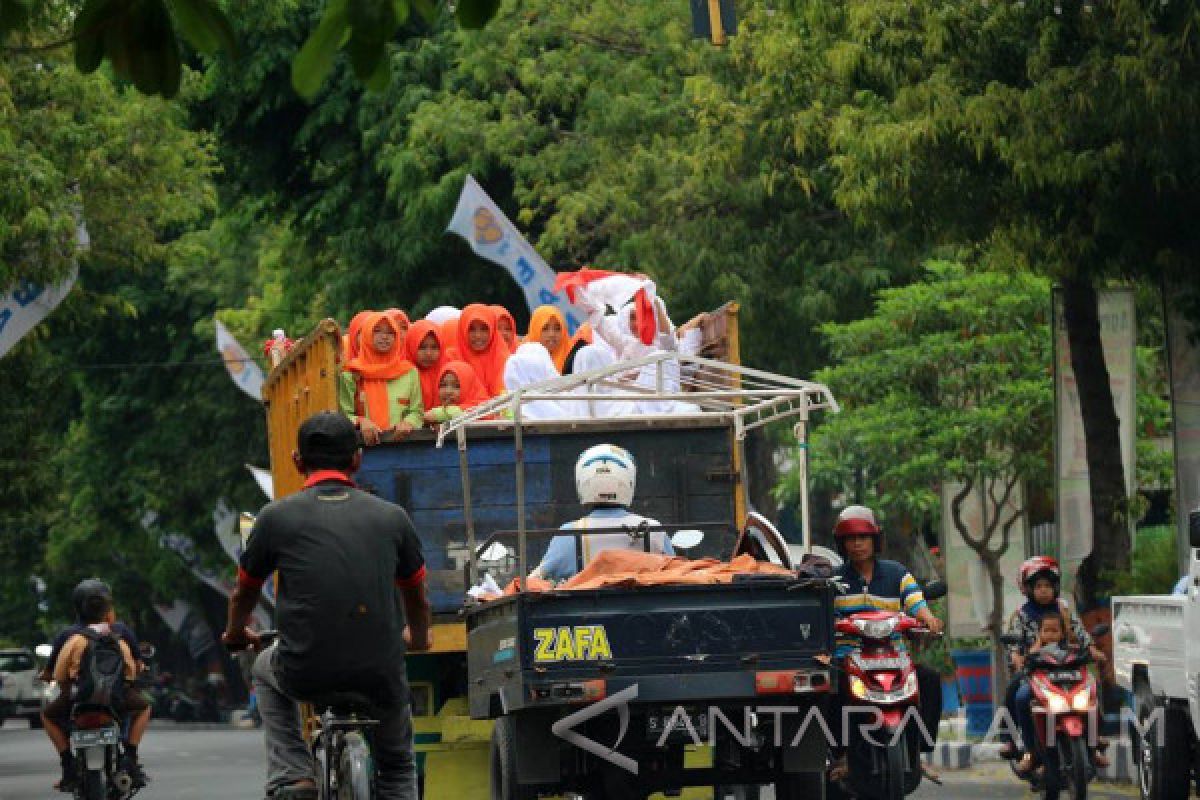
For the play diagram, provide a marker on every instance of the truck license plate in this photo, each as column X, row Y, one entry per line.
column 95, row 738
column 676, row 725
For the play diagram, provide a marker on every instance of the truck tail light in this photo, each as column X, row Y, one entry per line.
column 791, row 682
column 574, row 692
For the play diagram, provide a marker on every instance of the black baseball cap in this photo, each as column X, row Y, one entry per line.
column 325, row 437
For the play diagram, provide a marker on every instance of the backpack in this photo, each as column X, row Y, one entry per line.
column 101, row 671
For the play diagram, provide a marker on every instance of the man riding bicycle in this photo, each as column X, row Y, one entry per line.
column 341, row 555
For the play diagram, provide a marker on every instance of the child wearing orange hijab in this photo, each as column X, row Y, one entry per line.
column 506, row 326
column 402, row 323
column 458, row 391
column 479, row 346
column 379, row 389
column 423, row 346
column 548, row 328
column 449, row 331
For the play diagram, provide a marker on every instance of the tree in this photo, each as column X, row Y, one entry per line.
column 1060, row 142
column 142, row 40
column 946, row 382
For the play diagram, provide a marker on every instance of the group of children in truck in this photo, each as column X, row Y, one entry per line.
column 399, row 376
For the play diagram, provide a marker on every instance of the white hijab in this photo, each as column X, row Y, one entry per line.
column 443, row 314
column 531, row 364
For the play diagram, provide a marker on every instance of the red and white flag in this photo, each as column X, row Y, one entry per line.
column 597, row 288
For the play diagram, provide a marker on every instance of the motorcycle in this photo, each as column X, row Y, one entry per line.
column 1065, row 708
column 96, row 743
column 883, row 750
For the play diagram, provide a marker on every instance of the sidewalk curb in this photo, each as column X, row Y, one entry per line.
column 962, row 755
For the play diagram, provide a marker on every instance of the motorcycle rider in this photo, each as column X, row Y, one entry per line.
column 876, row 584
column 1039, row 579
column 94, row 604
column 605, row 479
column 344, row 559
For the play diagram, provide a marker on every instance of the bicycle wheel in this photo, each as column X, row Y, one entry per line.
column 355, row 769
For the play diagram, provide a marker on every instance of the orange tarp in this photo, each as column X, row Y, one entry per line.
column 632, row 568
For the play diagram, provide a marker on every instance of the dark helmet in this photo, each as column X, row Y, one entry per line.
column 91, row 587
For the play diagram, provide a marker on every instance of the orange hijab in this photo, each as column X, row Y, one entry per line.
column 419, row 332
column 449, row 331
column 402, row 323
column 502, row 314
column 350, row 344
column 471, row 392
column 374, row 369
column 489, row 362
column 541, row 317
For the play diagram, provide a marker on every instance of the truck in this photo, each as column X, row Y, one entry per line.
column 1156, row 658
column 513, row 478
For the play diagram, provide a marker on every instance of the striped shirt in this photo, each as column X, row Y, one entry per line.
column 891, row 588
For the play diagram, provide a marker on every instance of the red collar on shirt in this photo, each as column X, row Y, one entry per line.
column 322, row 475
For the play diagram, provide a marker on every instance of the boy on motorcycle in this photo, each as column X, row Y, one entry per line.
column 878, row 584
column 96, row 613
column 1039, row 579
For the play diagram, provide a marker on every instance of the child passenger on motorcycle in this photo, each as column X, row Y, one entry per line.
column 96, row 612
column 1039, row 579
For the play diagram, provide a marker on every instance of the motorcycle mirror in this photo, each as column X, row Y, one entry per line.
column 43, row 651
column 686, row 539
column 495, row 552
column 934, row 589
column 1100, row 630
column 1010, row 639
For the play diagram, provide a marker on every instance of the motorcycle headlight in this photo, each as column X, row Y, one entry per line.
column 1082, row 699
column 1057, row 704
column 857, row 687
column 877, row 628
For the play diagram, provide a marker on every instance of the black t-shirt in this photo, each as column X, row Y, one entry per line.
column 123, row 632
column 340, row 554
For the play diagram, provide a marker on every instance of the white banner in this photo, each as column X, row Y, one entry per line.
column 1184, row 360
column 1074, row 500
column 28, row 303
column 244, row 370
column 264, row 479
column 492, row 236
column 225, row 526
column 969, row 596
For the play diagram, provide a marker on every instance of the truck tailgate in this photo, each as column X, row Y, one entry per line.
column 676, row 642
column 1149, row 634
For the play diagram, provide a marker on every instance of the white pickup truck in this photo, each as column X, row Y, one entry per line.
column 1156, row 656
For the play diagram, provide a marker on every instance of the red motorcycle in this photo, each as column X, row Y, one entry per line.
column 879, row 723
column 1065, row 708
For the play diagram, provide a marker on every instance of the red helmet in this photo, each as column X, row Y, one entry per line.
column 856, row 521
column 1038, row 567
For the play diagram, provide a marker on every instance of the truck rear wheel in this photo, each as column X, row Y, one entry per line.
column 504, row 783
column 1162, row 750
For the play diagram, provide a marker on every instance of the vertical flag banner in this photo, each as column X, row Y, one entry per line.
column 27, row 303
column 1072, row 486
column 244, row 370
column 969, row 589
column 492, row 236
column 1183, row 358
column 264, row 480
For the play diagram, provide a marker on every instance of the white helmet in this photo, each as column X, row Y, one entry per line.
column 605, row 473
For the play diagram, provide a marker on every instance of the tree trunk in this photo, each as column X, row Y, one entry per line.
column 1110, row 504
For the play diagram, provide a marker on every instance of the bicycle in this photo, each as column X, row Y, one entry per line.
column 340, row 741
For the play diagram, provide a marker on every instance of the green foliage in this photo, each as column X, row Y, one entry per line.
column 1155, row 563
column 948, row 380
